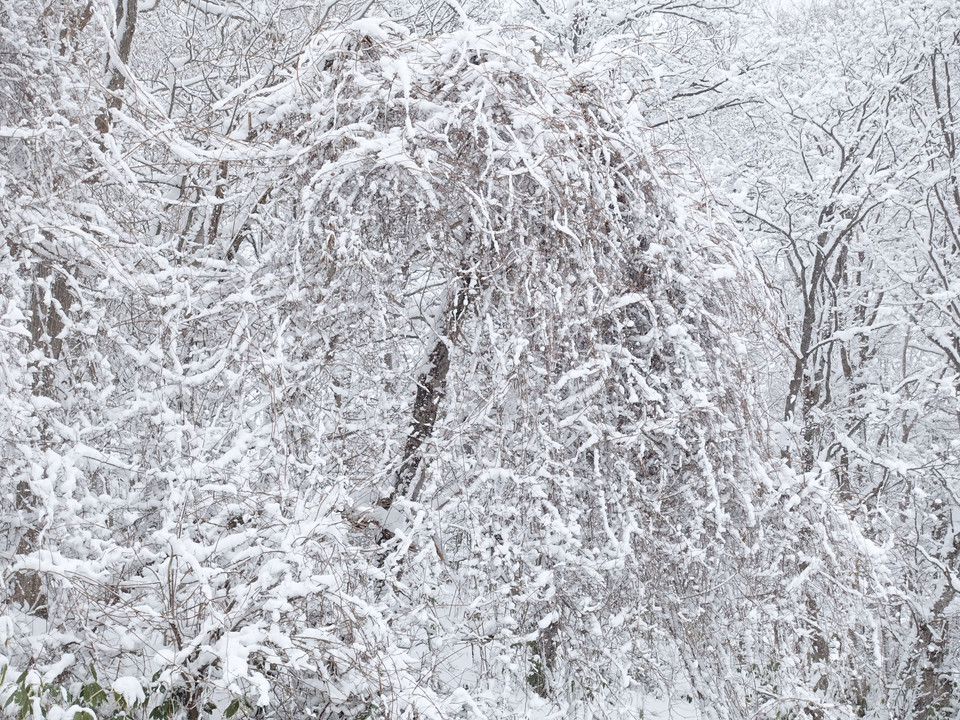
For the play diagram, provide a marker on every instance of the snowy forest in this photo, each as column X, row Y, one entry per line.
column 480, row 359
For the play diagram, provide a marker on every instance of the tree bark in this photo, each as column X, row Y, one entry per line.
column 431, row 388
column 47, row 323
column 126, row 27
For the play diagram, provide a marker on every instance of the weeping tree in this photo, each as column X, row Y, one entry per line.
column 519, row 329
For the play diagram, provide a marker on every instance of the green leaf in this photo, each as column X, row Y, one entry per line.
column 93, row 694
column 162, row 711
column 231, row 709
column 21, row 698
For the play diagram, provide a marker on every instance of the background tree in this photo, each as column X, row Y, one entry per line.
column 829, row 168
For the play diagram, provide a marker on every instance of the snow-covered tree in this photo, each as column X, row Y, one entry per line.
column 535, row 323
column 840, row 169
column 392, row 377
